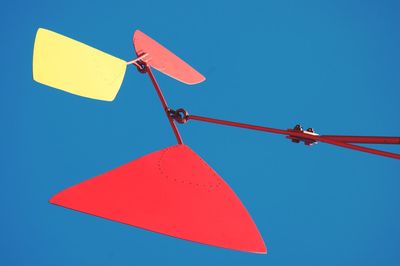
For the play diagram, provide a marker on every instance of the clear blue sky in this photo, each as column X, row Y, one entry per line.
column 333, row 66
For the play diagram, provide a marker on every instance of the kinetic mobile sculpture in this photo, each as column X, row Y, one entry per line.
column 171, row 191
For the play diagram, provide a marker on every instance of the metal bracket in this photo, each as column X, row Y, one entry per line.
column 309, row 131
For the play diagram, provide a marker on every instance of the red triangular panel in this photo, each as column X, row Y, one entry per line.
column 173, row 192
column 164, row 60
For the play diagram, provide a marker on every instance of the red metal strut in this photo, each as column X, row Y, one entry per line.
column 144, row 68
column 297, row 134
column 365, row 139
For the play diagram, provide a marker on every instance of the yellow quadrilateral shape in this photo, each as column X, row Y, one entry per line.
column 75, row 67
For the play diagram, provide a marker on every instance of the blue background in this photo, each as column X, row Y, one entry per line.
column 330, row 65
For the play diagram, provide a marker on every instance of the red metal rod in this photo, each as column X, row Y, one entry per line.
column 334, row 141
column 359, row 148
column 365, row 139
column 164, row 104
column 254, row 127
column 241, row 125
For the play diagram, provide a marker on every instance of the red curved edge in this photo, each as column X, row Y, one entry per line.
column 164, row 60
column 172, row 192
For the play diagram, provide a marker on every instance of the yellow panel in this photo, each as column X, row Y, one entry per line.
column 72, row 66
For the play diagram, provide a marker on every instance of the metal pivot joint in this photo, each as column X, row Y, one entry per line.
column 180, row 115
column 141, row 66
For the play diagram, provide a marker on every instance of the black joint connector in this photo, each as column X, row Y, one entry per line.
column 181, row 115
column 141, row 67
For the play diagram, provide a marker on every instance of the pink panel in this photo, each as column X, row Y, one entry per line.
column 173, row 192
column 165, row 61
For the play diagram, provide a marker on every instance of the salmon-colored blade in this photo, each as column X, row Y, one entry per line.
column 173, row 192
column 164, row 60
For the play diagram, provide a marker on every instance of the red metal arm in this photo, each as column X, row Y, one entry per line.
column 236, row 124
column 364, row 139
column 359, row 148
column 164, row 104
column 341, row 141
